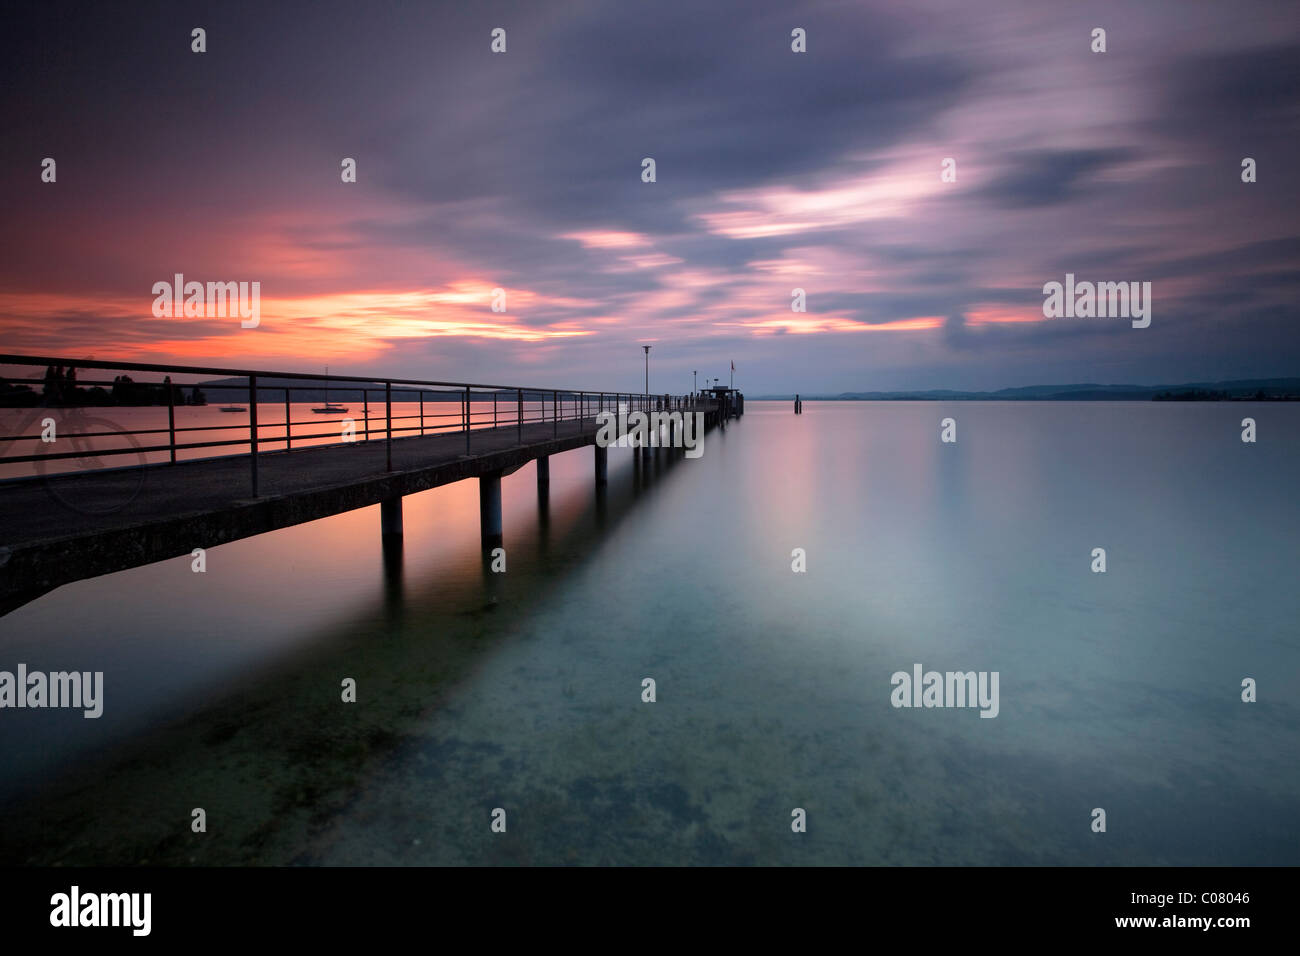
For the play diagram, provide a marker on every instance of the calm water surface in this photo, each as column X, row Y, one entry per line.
column 523, row 691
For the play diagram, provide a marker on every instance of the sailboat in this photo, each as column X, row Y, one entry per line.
column 329, row 407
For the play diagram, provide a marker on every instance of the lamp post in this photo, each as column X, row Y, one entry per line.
column 695, row 385
column 647, row 368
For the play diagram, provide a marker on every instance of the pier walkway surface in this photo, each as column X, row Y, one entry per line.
column 67, row 527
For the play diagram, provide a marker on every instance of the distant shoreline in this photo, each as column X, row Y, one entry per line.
column 1242, row 390
column 999, row 398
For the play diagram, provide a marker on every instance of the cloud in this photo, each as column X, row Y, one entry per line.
column 1050, row 177
column 775, row 170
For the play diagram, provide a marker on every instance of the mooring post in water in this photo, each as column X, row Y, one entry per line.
column 543, row 471
column 390, row 517
column 602, row 465
column 489, row 510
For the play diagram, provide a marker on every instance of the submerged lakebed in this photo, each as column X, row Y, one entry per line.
column 523, row 691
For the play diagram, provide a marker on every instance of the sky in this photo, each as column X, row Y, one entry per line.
column 774, row 170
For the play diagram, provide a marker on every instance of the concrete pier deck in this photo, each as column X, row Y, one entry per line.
column 46, row 542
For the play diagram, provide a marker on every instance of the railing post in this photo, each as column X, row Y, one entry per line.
column 555, row 413
column 171, row 417
column 519, row 416
column 467, row 413
column 421, row 411
column 288, row 421
column 252, row 427
column 365, row 397
column 582, row 410
column 388, row 419
column 494, row 410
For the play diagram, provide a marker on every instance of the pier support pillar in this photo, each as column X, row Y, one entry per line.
column 489, row 510
column 390, row 517
column 602, row 465
column 543, row 471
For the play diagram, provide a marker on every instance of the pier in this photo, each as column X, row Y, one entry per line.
column 155, row 493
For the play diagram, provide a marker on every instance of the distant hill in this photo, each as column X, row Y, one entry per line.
column 1251, row 389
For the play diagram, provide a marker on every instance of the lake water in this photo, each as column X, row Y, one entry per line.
column 523, row 690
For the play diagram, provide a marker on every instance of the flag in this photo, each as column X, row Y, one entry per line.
column 733, row 365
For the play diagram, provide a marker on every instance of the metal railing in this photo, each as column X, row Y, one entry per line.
column 443, row 408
